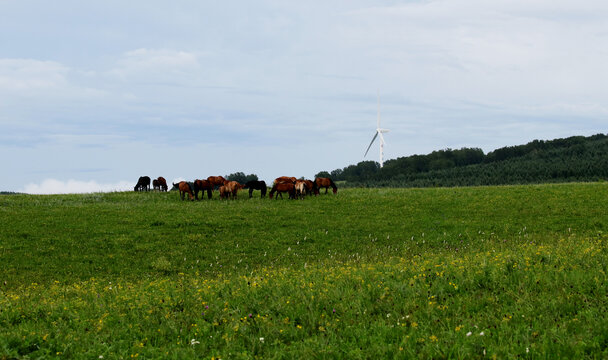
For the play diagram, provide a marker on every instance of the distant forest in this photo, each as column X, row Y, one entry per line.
column 576, row 158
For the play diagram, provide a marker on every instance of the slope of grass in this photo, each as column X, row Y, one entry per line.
column 457, row 273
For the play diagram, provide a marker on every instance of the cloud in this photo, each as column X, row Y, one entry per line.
column 153, row 65
column 28, row 74
column 41, row 79
column 53, row 186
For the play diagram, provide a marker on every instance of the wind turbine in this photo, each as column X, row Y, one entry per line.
column 379, row 131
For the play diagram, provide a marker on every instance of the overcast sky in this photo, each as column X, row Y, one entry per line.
column 94, row 94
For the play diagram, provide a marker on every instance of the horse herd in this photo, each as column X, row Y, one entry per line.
column 295, row 188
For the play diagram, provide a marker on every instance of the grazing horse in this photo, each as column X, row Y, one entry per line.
column 300, row 189
column 184, row 188
column 217, row 181
column 326, row 183
column 289, row 188
column 155, row 185
column 224, row 193
column 162, row 184
column 143, row 184
column 202, row 185
column 256, row 185
column 233, row 187
column 284, row 179
column 311, row 187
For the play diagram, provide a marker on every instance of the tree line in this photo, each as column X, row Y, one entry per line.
column 575, row 158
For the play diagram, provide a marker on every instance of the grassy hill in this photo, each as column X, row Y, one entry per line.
column 449, row 272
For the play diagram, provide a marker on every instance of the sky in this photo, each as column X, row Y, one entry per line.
column 94, row 94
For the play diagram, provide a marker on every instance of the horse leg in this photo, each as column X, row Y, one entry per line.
column 250, row 192
column 208, row 193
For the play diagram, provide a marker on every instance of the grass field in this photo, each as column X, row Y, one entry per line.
column 480, row 272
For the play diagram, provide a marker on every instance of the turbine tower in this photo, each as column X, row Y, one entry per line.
column 379, row 131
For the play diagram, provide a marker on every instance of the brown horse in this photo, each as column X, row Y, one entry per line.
column 217, row 181
column 326, row 183
column 184, row 188
column 233, row 187
column 287, row 187
column 224, row 193
column 311, row 187
column 155, row 185
column 284, row 179
column 162, row 184
column 202, row 185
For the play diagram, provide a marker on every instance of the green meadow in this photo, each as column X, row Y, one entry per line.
column 463, row 273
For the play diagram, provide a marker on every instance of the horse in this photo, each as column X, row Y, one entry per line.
column 283, row 179
column 311, row 187
column 162, row 184
column 184, row 188
column 300, row 189
column 326, row 183
column 155, row 185
column 233, row 187
column 217, row 181
column 224, row 193
column 256, row 185
column 284, row 187
column 143, row 184
column 202, row 185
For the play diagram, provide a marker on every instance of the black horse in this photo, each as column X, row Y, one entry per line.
column 256, row 185
column 143, row 184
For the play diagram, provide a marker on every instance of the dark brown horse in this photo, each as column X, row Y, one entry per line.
column 217, row 181
column 289, row 188
column 256, row 185
column 184, row 188
column 326, row 183
column 202, row 185
column 311, row 187
column 155, row 185
column 162, row 184
column 143, row 184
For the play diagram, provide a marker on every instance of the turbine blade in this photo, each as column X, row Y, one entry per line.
column 382, row 138
column 378, row 108
column 370, row 144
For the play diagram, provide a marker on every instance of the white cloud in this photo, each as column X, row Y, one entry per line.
column 155, row 64
column 29, row 74
column 53, row 186
column 38, row 82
